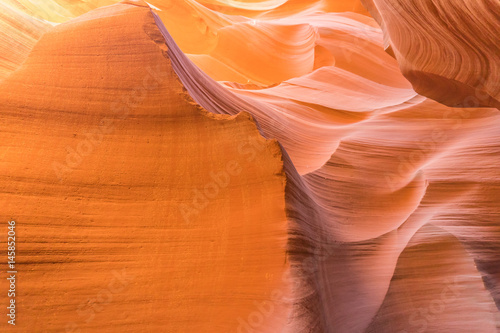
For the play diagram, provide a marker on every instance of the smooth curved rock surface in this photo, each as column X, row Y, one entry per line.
column 105, row 248
column 258, row 166
column 18, row 34
column 448, row 50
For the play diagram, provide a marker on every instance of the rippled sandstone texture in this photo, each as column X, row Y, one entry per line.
column 310, row 189
column 108, row 154
column 448, row 50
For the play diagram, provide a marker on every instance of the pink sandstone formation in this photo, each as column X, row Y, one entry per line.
column 251, row 166
column 448, row 50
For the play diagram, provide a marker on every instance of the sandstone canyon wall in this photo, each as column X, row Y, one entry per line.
column 250, row 166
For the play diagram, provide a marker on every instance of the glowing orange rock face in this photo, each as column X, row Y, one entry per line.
column 245, row 166
column 130, row 224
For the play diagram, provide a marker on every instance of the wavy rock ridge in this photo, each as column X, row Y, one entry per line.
column 309, row 189
column 450, row 51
